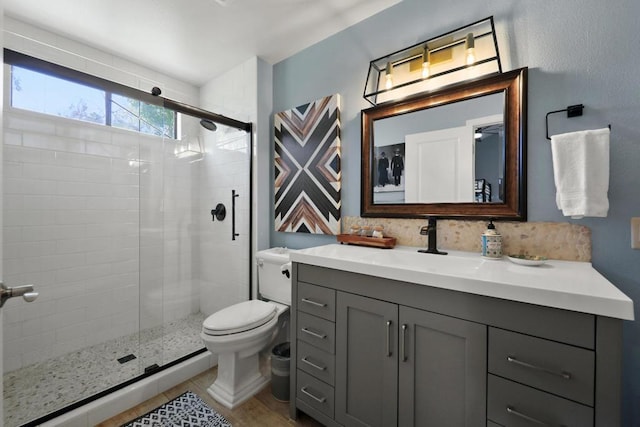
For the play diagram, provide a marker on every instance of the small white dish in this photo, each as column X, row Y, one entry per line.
column 529, row 260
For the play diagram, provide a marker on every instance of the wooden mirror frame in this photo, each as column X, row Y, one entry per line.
column 514, row 207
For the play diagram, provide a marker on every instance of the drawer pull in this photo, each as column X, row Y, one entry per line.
column 312, row 302
column 313, row 334
column 388, row 336
column 512, row 411
column 403, row 355
column 313, row 365
column 314, row 397
column 565, row 375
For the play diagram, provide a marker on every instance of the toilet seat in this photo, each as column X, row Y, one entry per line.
column 240, row 317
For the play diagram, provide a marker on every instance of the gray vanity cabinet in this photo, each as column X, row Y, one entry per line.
column 366, row 361
column 442, row 370
column 371, row 351
column 396, row 365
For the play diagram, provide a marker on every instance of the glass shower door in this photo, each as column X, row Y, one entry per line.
column 71, row 228
column 205, row 268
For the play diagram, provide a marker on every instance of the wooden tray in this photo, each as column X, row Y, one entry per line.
column 374, row 242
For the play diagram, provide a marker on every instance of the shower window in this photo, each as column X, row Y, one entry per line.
column 48, row 94
column 132, row 114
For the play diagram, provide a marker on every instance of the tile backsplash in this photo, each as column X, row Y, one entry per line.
column 554, row 240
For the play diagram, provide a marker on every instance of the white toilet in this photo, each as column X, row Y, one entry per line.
column 238, row 333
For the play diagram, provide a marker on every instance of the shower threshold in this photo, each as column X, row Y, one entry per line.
column 49, row 387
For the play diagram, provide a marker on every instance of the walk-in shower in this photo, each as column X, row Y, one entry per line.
column 107, row 212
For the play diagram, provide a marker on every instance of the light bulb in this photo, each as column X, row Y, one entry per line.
column 388, row 77
column 389, row 81
column 425, row 70
column 471, row 56
column 471, row 51
column 425, row 63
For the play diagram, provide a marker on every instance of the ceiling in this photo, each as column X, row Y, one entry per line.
column 195, row 40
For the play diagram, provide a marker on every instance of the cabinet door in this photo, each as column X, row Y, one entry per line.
column 442, row 370
column 366, row 361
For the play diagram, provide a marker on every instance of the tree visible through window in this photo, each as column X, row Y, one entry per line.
column 43, row 93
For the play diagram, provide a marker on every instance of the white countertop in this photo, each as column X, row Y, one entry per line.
column 567, row 285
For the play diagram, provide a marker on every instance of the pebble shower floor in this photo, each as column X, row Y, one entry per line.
column 39, row 389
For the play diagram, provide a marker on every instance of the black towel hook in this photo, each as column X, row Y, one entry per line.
column 572, row 111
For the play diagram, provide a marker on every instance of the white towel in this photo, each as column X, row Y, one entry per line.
column 581, row 172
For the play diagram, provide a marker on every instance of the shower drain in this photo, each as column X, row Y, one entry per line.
column 127, row 358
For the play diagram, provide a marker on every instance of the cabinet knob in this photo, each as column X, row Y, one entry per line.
column 518, row 414
column 563, row 374
column 313, row 396
column 403, row 344
column 388, row 338
column 313, row 334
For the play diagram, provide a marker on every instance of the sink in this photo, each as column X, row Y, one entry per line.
column 567, row 285
column 429, row 263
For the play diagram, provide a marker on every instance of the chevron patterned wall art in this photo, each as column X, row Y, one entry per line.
column 307, row 168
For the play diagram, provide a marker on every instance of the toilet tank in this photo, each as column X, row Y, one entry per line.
column 272, row 284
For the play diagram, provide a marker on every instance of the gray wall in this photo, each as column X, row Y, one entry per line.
column 577, row 51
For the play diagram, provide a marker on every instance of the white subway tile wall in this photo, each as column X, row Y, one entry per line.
column 105, row 234
column 223, row 264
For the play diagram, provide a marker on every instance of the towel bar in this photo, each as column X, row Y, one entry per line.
column 572, row 111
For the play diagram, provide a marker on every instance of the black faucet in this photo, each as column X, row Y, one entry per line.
column 430, row 231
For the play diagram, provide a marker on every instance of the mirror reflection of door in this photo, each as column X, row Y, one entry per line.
column 489, row 158
column 440, row 166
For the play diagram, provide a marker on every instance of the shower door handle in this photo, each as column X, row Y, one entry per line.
column 25, row 291
column 233, row 214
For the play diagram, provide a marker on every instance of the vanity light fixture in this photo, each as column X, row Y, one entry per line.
column 425, row 62
column 470, row 44
column 466, row 53
column 388, row 76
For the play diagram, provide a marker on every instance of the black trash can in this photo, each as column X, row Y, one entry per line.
column 280, row 360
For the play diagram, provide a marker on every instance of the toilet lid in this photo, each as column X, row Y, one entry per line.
column 239, row 318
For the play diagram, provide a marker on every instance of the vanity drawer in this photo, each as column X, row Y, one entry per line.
column 316, row 331
column 516, row 405
column 557, row 368
column 315, row 393
column 317, row 300
column 316, row 362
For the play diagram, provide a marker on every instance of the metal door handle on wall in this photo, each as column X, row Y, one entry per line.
column 25, row 291
column 233, row 214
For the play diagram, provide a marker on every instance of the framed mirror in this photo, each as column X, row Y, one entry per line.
column 459, row 152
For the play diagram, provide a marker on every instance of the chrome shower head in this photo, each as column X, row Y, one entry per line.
column 208, row 125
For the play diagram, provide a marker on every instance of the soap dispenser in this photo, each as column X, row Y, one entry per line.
column 491, row 242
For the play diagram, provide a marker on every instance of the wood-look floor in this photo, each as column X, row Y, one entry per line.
column 260, row 410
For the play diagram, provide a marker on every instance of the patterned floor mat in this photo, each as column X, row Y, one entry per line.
column 186, row 410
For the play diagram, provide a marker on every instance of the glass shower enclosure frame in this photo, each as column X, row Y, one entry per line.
column 121, row 230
